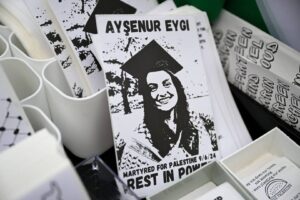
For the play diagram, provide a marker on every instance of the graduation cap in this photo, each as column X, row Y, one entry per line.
column 107, row 7
column 151, row 58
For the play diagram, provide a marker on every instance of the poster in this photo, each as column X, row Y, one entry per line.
column 158, row 97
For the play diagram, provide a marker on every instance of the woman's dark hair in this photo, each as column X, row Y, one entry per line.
column 161, row 135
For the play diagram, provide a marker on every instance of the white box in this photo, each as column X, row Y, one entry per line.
column 274, row 142
column 213, row 172
column 250, row 162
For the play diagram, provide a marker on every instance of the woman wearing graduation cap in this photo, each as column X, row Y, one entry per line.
column 167, row 131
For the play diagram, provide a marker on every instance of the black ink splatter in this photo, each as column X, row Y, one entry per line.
column 46, row 23
column 128, row 44
column 53, row 37
column 82, row 42
column 210, row 128
column 58, row 49
column 76, row 26
column 66, row 63
column 82, row 6
column 84, row 54
column 78, row 91
column 96, row 62
column 113, row 61
column 168, row 47
column 89, row 69
column 94, row 65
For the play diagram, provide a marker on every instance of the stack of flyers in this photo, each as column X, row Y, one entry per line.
column 160, row 106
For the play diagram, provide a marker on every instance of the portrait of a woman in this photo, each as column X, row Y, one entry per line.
column 167, row 132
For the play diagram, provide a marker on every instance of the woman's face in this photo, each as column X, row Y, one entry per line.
column 162, row 90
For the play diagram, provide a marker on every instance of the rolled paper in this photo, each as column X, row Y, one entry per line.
column 14, row 14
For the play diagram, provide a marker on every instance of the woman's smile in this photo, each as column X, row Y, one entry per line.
column 162, row 90
column 165, row 99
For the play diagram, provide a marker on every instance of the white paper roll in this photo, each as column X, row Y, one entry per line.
column 19, row 51
column 14, row 14
column 84, row 123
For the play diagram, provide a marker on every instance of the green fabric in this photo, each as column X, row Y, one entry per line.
column 247, row 10
column 212, row 7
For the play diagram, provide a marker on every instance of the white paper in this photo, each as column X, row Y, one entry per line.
column 72, row 16
column 231, row 130
column 271, row 91
column 261, row 66
column 224, row 191
column 277, row 179
column 230, row 127
column 56, row 40
column 199, row 191
column 178, row 44
column 260, row 48
column 252, row 167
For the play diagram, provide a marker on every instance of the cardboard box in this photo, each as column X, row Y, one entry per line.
column 274, row 142
column 260, row 162
column 213, row 172
column 272, row 145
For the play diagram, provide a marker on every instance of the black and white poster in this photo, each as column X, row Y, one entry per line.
column 43, row 17
column 107, row 7
column 72, row 16
column 158, row 97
